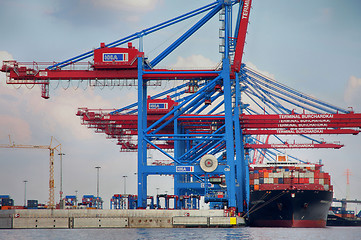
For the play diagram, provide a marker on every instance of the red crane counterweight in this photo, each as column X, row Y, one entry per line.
column 116, row 58
column 160, row 106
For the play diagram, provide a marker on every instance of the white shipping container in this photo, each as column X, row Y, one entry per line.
column 320, row 181
column 256, row 181
column 271, row 180
column 295, row 174
column 301, row 175
column 271, row 175
column 266, row 180
column 309, row 175
column 327, row 187
column 311, row 180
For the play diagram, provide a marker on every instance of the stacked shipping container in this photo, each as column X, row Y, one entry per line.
column 278, row 176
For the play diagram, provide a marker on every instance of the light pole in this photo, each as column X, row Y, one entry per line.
column 76, row 197
column 97, row 186
column 61, row 180
column 125, row 184
column 25, row 181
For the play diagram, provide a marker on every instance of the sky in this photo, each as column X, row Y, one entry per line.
column 313, row 47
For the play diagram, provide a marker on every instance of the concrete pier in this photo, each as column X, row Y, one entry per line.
column 98, row 218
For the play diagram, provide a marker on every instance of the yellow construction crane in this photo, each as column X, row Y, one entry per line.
column 51, row 148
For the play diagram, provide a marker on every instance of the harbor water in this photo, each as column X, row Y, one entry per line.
column 327, row 233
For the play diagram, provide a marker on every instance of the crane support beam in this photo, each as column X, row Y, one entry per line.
column 295, row 117
column 30, row 76
column 303, row 125
column 186, row 35
column 241, row 35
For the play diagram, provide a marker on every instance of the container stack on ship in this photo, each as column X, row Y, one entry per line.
column 287, row 193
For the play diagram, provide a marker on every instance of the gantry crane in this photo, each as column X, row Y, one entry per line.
column 52, row 149
column 208, row 121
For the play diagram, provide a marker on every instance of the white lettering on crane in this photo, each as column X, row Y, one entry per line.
column 245, row 9
column 300, row 131
column 299, row 116
column 292, row 145
column 305, row 121
column 116, row 57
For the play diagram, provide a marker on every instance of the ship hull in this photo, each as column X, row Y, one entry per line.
column 333, row 220
column 289, row 208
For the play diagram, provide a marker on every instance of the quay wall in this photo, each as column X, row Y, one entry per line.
column 122, row 218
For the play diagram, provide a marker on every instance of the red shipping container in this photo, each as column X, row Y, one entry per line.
column 307, row 180
column 256, row 176
column 316, row 181
column 275, row 180
column 251, row 176
column 287, row 180
column 327, row 181
column 301, row 180
column 251, row 182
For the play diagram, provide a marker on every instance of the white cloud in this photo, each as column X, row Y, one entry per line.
column 353, row 90
column 18, row 128
column 9, row 122
column 194, row 62
column 58, row 113
column 24, row 112
column 126, row 5
column 4, row 56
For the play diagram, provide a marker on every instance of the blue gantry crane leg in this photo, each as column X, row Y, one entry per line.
column 184, row 141
column 142, row 144
column 229, row 134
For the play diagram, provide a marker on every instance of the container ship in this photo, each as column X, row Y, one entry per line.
column 287, row 193
column 339, row 216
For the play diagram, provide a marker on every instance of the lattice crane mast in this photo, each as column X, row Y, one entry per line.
column 52, row 148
